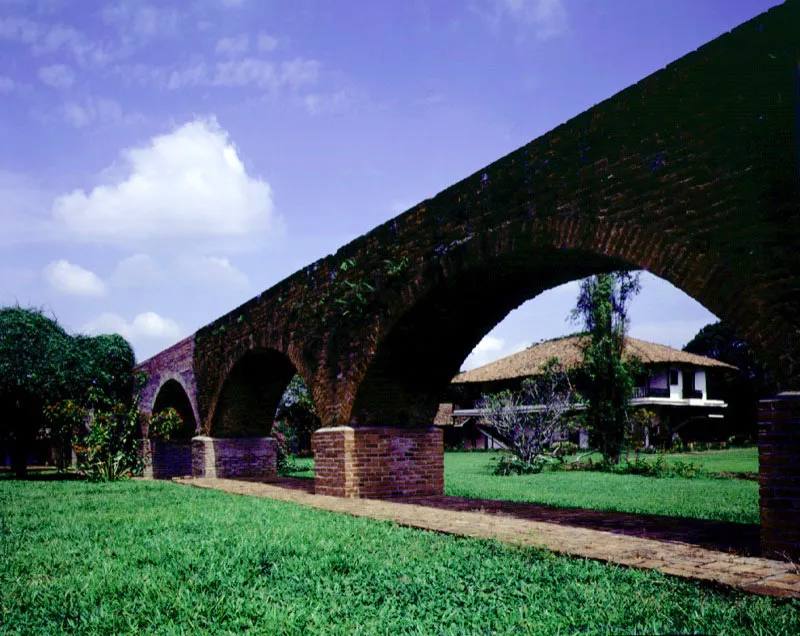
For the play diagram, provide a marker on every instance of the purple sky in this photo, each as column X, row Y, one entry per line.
column 161, row 163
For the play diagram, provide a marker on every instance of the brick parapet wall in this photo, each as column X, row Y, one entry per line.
column 234, row 457
column 779, row 475
column 165, row 460
column 377, row 462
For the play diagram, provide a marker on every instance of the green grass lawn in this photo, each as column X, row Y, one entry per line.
column 470, row 475
column 156, row 557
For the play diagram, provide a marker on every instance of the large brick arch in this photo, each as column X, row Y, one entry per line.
column 428, row 332
column 249, row 394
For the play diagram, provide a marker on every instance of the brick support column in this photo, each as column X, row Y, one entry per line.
column 165, row 460
column 779, row 475
column 234, row 457
column 378, row 462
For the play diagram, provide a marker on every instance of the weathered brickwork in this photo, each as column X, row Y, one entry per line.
column 234, row 457
column 165, row 460
column 779, row 475
column 691, row 174
column 378, row 462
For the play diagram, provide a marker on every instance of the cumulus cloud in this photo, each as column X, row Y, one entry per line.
column 57, row 76
column 189, row 183
column 73, row 279
column 145, row 326
column 138, row 270
column 234, row 46
column 211, row 270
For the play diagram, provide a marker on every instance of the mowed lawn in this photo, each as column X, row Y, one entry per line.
column 470, row 475
column 153, row 557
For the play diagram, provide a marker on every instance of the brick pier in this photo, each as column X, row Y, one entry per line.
column 378, row 461
column 779, row 475
column 234, row 457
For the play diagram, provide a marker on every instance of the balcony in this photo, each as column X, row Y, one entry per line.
column 648, row 391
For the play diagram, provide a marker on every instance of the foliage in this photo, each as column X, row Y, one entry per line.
column 296, row 417
column 534, row 419
column 41, row 365
column 165, row 424
column 352, row 294
column 89, row 559
column 66, row 420
column 602, row 307
column 741, row 389
column 108, row 450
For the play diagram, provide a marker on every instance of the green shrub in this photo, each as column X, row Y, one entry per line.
column 510, row 465
column 165, row 424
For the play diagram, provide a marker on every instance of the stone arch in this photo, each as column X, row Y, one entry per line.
column 455, row 299
column 173, row 393
column 249, row 394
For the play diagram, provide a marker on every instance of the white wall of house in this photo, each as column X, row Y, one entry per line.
column 700, row 382
column 676, row 390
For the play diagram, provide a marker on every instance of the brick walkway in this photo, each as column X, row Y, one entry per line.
column 751, row 574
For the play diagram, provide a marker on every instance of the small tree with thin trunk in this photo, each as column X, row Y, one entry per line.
column 608, row 378
column 534, row 419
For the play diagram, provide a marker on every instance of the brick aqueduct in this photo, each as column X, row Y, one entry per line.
column 692, row 174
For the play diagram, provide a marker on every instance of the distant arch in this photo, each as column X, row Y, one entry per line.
column 172, row 393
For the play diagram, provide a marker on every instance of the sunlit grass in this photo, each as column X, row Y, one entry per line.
column 151, row 557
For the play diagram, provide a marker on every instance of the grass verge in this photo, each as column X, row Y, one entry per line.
column 156, row 557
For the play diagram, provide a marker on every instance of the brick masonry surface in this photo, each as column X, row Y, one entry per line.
column 691, row 174
column 378, row 462
column 234, row 457
column 779, row 475
column 165, row 460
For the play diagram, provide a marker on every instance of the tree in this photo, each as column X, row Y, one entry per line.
column 534, row 419
column 742, row 389
column 297, row 416
column 609, row 379
column 42, row 365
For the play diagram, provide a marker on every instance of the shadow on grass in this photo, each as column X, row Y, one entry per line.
column 46, row 474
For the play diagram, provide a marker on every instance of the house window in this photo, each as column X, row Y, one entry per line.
column 673, row 377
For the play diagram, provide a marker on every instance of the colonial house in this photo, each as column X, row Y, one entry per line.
column 677, row 387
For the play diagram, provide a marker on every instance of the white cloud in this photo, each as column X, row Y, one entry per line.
column 329, row 103
column 188, row 183
column 145, row 326
column 57, row 76
column 143, row 21
column 80, row 115
column 138, row 270
column 233, row 46
column 267, row 43
column 547, row 18
column 263, row 74
column 73, row 279
column 489, row 349
column 211, row 270
column 6, row 84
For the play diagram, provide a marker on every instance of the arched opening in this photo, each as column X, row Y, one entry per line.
column 251, row 393
column 173, row 395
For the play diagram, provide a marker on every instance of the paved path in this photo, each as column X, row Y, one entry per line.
column 751, row 574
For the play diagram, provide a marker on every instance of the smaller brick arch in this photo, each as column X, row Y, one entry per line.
column 250, row 393
column 172, row 393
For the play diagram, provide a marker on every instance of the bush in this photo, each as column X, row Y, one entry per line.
column 165, row 424
column 108, row 450
column 510, row 465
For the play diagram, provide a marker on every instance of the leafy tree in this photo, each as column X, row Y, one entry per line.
column 41, row 365
column 297, row 416
column 535, row 418
column 609, row 379
column 742, row 389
